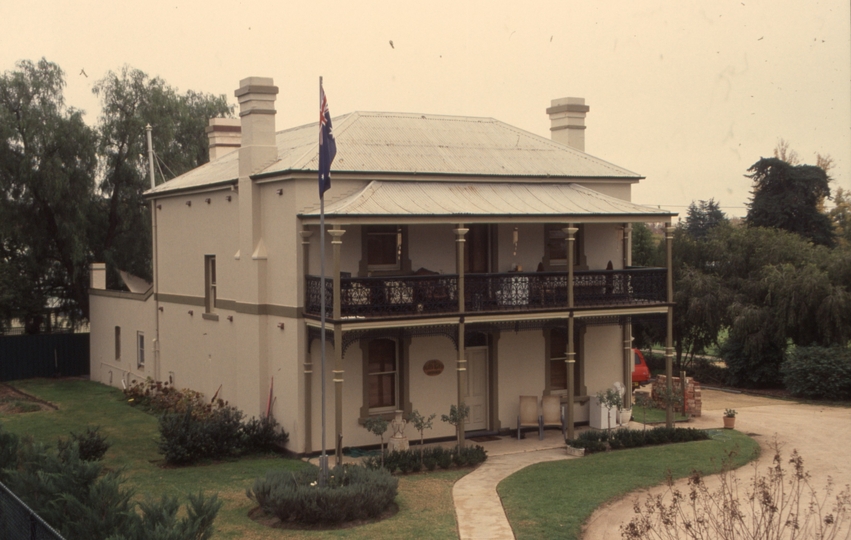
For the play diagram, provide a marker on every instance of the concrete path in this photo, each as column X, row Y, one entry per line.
column 478, row 508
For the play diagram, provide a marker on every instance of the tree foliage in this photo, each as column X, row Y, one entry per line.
column 789, row 197
column 71, row 194
column 131, row 100
column 47, row 166
column 704, row 216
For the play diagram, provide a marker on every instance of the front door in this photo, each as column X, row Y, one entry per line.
column 477, row 388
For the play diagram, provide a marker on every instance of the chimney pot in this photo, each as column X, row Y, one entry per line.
column 567, row 121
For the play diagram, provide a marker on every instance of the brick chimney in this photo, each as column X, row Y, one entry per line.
column 567, row 121
column 257, row 116
column 225, row 135
column 97, row 276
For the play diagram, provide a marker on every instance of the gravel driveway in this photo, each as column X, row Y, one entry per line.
column 822, row 436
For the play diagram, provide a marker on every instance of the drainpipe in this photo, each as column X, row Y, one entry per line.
column 154, row 257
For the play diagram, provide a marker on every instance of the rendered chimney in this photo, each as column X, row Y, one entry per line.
column 225, row 135
column 567, row 121
column 97, row 276
column 257, row 115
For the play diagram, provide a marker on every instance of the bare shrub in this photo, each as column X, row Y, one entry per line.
column 780, row 504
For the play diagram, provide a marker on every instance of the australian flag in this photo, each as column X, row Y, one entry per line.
column 327, row 144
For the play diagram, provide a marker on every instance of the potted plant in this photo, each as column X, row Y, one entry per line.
column 729, row 418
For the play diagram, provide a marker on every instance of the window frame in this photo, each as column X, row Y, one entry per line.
column 117, row 343
column 579, row 389
column 551, row 264
column 210, row 283
column 402, row 265
column 395, row 372
column 140, row 349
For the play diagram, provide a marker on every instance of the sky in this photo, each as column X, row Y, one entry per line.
column 688, row 94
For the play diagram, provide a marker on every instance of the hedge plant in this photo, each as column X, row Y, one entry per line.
column 430, row 458
column 351, row 493
column 600, row 441
column 818, row 372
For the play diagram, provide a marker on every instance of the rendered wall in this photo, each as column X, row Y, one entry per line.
column 522, row 372
column 105, row 313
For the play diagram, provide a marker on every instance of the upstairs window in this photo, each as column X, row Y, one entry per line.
column 556, row 245
column 209, row 283
column 383, row 247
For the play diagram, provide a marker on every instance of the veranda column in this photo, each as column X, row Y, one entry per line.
column 308, row 361
column 462, row 353
column 570, row 235
column 669, row 335
column 627, row 323
column 336, row 243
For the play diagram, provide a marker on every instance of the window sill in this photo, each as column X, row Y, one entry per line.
column 210, row 316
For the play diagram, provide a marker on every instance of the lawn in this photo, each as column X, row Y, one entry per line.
column 425, row 501
column 552, row 500
column 653, row 415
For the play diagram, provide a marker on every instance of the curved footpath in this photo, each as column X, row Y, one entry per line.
column 821, row 435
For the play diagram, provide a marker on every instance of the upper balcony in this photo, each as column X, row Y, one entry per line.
column 514, row 292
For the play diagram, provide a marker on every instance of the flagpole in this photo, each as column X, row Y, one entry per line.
column 323, row 460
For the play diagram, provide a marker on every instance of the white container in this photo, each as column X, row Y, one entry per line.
column 601, row 416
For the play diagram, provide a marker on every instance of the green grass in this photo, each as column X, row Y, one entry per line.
column 425, row 501
column 652, row 415
column 552, row 500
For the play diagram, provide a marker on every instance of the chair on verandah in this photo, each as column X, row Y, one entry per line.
column 552, row 414
column 529, row 416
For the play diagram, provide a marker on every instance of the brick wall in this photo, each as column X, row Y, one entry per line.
column 692, row 399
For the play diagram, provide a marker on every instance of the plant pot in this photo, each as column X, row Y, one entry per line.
column 626, row 416
column 729, row 422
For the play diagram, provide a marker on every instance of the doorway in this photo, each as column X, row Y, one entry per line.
column 477, row 388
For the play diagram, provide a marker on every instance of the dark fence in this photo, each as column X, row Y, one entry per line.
column 44, row 355
column 18, row 522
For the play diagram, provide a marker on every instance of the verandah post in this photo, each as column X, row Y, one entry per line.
column 462, row 353
column 669, row 336
column 570, row 235
column 336, row 242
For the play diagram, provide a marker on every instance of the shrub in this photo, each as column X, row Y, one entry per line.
column 779, row 503
column 81, row 499
column 91, row 445
column 599, row 441
column 753, row 364
column 264, row 435
column 406, row 461
column 351, row 493
column 818, row 372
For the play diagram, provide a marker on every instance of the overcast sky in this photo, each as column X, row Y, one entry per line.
column 686, row 93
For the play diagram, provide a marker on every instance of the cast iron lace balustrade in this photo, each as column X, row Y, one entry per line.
column 431, row 295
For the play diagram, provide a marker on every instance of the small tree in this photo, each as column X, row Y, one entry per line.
column 421, row 423
column 377, row 426
column 610, row 399
column 456, row 416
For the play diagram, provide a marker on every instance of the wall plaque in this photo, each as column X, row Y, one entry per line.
column 433, row 367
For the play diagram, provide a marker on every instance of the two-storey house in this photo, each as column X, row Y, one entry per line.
column 466, row 260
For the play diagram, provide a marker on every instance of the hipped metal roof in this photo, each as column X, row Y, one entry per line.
column 550, row 201
column 406, row 143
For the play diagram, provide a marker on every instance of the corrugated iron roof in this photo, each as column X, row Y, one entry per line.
column 435, row 199
column 407, row 143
